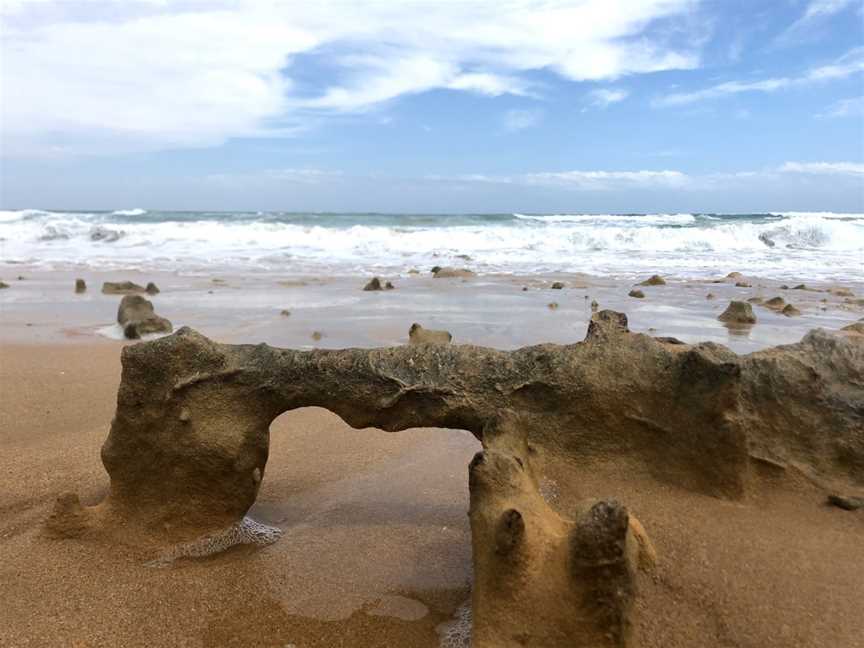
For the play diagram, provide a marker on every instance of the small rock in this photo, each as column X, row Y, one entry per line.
column 738, row 312
column 21, row 277
column 121, row 288
column 790, row 311
column 654, row 280
column 3, row 285
column 710, row 296
column 80, row 286
column 285, row 312
column 524, row 288
column 846, row 502
column 419, row 335
column 413, row 271
column 842, row 292
column 557, row 285
column 638, row 294
column 151, row 289
column 317, row 335
column 435, row 269
column 449, row 273
column 800, row 287
column 594, row 305
column 734, row 275
column 374, row 284
column 552, row 305
column 755, row 300
column 784, row 287
column 743, row 284
column 137, row 317
column 776, row 303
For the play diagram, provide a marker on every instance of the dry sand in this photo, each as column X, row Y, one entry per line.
column 376, row 550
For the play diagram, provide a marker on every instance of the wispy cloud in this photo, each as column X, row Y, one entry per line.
column 824, row 168
column 156, row 75
column 516, row 120
column 850, row 63
column 816, row 11
column 853, row 107
column 604, row 97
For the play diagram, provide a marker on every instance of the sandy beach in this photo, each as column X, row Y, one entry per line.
column 376, row 549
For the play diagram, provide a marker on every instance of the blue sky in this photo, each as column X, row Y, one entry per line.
column 594, row 105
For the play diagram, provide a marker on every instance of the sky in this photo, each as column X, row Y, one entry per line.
column 511, row 105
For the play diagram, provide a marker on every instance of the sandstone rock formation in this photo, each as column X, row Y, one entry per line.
column 654, row 280
column 376, row 284
column 121, row 288
column 80, row 286
column 188, row 445
column 137, row 317
column 419, row 335
column 450, row 273
column 738, row 312
column 541, row 579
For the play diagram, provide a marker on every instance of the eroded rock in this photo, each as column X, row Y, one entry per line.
column 80, row 286
column 419, row 335
column 137, row 317
column 453, row 273
column 376, row 284
column 122, row 288
column 653, row 280
column 638, row 294
column 738, row 312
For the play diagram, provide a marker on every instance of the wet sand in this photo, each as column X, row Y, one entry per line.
column 376, row 550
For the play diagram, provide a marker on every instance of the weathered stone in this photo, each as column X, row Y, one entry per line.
column 776, row 303
column 654, row 280
column 451, row 273
column 80, row 286
column 152, row 289
column 419, row 335
column 137, row 317
column 557, row 285
column 376, row 284
column 790, row 311
column 122, row 288
column 846, row 502
column 738, row 312
column 638, row 294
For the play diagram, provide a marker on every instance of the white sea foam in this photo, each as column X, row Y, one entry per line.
column 780, row 245
column 130, row 212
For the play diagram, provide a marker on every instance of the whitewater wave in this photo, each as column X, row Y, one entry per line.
column 779, row 244
column 130, row 212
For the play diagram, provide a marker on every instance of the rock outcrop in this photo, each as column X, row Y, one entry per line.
column 419, row 335
column 137, row 317
column 188, row 445
column 376, row 284
column 452, row 273
column 542, row 579
column 738, row 312
column 653, row 280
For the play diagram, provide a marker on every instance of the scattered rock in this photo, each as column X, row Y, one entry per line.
column 376, row 284
column 776, row 303
column 450, row 273
column 524, row 288
column 317, row 335
column 80, row 286
column 285, row 312
column 755, row 300
column 594, row 305
column 842, row 292
column 137, row 317
column 21, row 277
column 654, row 280
column 121, row 288
column 557, row 285
column 800, row 287
column 767, row 240
column 552, row 305
column 790, row 311
column 413, row 271
column 101, row 233
column 464, row 257
column 668, row 340
column 152, row 289
column 734, row 275
column 784, row 287
column 3, row 284
column 743, row 284
column 68, row 518
column 419, row 335
column 847, row 502
column 638, row 294
column 435, row 269
column 738, row 312
column 710, row 296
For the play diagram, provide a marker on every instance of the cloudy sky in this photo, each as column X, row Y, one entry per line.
column 506, row 105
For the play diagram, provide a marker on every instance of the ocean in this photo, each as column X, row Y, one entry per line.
column 816, row 245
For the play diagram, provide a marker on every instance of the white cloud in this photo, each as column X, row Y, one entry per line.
column 155, row 75
column 516, row 120
column 824, row 168
column 607, row 180
column 604, row 97
column 816, row 11
column 850, row 63
column 853, row 107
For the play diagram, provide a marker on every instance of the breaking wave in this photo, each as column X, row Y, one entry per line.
column 818, row 244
